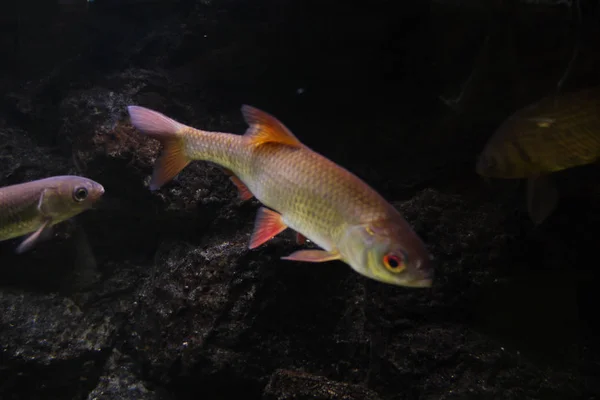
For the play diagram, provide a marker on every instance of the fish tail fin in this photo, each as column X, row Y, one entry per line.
column 170, row 134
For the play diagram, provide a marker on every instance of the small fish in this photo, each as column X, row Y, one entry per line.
column 301, row 190
column 34, row 207
column 554, row 134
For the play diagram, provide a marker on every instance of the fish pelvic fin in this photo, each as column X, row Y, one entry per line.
column 268, row 224
column 170, row 134
column 542, row 198
column 264, row 128
column 30, row 241
column 314, row 256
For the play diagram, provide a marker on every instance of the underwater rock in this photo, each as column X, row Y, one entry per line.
column 21, row 159
column 294, row 385
column 49, row 340
column 207, row 315
column 121, row 381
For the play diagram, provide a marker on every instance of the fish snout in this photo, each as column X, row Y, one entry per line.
column 486, row 165
column 480, row 165
column 423, row 272
column 97, row 192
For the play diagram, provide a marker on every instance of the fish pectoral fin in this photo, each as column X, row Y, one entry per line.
column 313, row 256
column 169, row 133
column 267, row 225
column 265, row 128
column 243, row 191
column 300, row 238
column 42, row 233
column 542, row 198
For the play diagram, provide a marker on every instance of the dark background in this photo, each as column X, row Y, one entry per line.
column 174, row 306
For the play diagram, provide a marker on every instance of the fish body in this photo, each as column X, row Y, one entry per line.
column 557, row 133
column 34, row 207
column 301, row 190
column 554, row 134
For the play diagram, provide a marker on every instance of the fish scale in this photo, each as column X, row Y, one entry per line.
column 313, row 194
column 303, row 190
column 554, row 134
column 18, row 210
column 523, row 147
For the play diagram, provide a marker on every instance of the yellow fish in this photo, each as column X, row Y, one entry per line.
column 554, row 134
column 303, row 191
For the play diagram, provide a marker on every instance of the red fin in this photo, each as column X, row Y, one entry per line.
column 168, row 131
column 267, row 225
column 265, row 128
column 300, row 238
column 244, row 192
column 313, row 256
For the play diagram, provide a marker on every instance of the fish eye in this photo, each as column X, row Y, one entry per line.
column 394, row 262
column 80, row 194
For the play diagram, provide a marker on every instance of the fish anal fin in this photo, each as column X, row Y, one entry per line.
column 542, row 198
column 264, row 128
column 267, row 225
column 169, row 133
column 300, row 238
column 42, row 233
column 314, row 256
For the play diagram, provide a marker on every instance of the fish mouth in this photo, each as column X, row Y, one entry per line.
column 421, row 283
column 480, row 168
column 96, row 196
column 422, row 278
column 422, row 275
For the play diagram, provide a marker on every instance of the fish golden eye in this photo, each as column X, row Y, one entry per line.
column 80, row 194
column 394, row 263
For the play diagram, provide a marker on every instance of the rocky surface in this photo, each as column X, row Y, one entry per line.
column 172, row 304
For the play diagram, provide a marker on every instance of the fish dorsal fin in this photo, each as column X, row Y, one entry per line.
column 265, row 128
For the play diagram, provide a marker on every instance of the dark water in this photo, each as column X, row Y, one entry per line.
column 176, row 307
